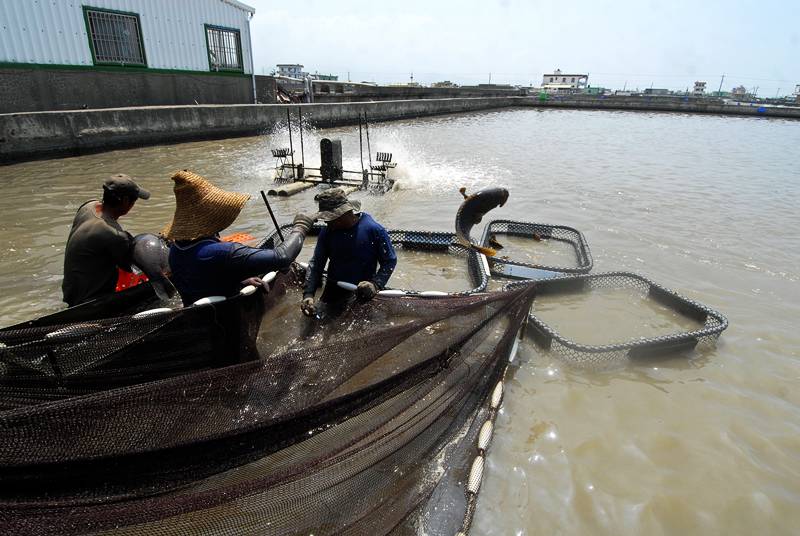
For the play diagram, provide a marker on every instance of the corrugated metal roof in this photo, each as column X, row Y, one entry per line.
column 241, row 6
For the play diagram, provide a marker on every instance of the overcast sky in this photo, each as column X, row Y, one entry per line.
column 666, row 43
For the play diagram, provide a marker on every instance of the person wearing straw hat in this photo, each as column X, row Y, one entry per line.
column 97, row 244
column 202, row 265
column 353, row 244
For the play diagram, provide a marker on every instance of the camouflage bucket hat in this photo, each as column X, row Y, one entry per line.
column 334, row 203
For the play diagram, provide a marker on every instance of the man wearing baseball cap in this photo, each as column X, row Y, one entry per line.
column 97, row 245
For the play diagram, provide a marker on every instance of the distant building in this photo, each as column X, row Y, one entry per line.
column 295, row 70
column 596, row 90
column 290, row 70
column 329, row 77
column 558, row 81
column 657, row 91
column 740, row 93
column 446, row 83
column 102, row 53
column 494, row 86
column 699, row 89
column 797, row 93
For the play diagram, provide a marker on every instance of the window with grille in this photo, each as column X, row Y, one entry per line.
column 224, row 49
column 116, row 37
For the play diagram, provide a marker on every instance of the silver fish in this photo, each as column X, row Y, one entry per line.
column 473, row 209
column 151, row 256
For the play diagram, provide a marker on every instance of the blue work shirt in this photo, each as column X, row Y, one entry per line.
column 209, row 267
column 354, row 255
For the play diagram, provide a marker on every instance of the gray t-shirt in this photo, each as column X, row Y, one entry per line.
column 95, row 248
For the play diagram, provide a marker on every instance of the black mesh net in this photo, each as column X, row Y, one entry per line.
column 127, row 302
column 578, row 261
column 49, row 362
column 369, row 425
column 707, row 323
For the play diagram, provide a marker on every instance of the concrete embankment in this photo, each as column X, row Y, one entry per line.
column 25, row 136
column 702, row 105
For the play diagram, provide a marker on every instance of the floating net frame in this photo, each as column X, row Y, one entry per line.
column 568, row 235
column 433, row 241
column 714, row 323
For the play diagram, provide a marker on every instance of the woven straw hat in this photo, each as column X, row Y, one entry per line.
column 201, row 209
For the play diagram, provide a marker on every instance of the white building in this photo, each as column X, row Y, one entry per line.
column 73, row 54
column 291, row 70
column 558, row 81
column 739, row 91
column 699, row 89
column 174, row 35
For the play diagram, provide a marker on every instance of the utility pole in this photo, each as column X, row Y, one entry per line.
column 490, row 78
column 719, row 91
column 348, row 76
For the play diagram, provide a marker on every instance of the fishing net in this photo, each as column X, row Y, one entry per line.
column 47, row 362
column 369, row 428
column 578, row 260
column 707, row 323
column 126, row 302
column 440, row 243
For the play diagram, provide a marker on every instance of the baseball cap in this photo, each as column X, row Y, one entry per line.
column 122, row 185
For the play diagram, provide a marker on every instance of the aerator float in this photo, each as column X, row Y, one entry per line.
column 296, row 176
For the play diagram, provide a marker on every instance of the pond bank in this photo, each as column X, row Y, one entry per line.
column 37, row 135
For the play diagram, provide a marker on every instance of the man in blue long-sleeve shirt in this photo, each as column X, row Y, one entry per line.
column 355, row 244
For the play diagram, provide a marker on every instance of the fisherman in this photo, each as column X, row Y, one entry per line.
column 97, row 245
column 202, row 265
column 355, row 244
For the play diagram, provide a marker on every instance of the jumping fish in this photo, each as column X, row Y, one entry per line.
column 151, row 256
column 472, row 210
